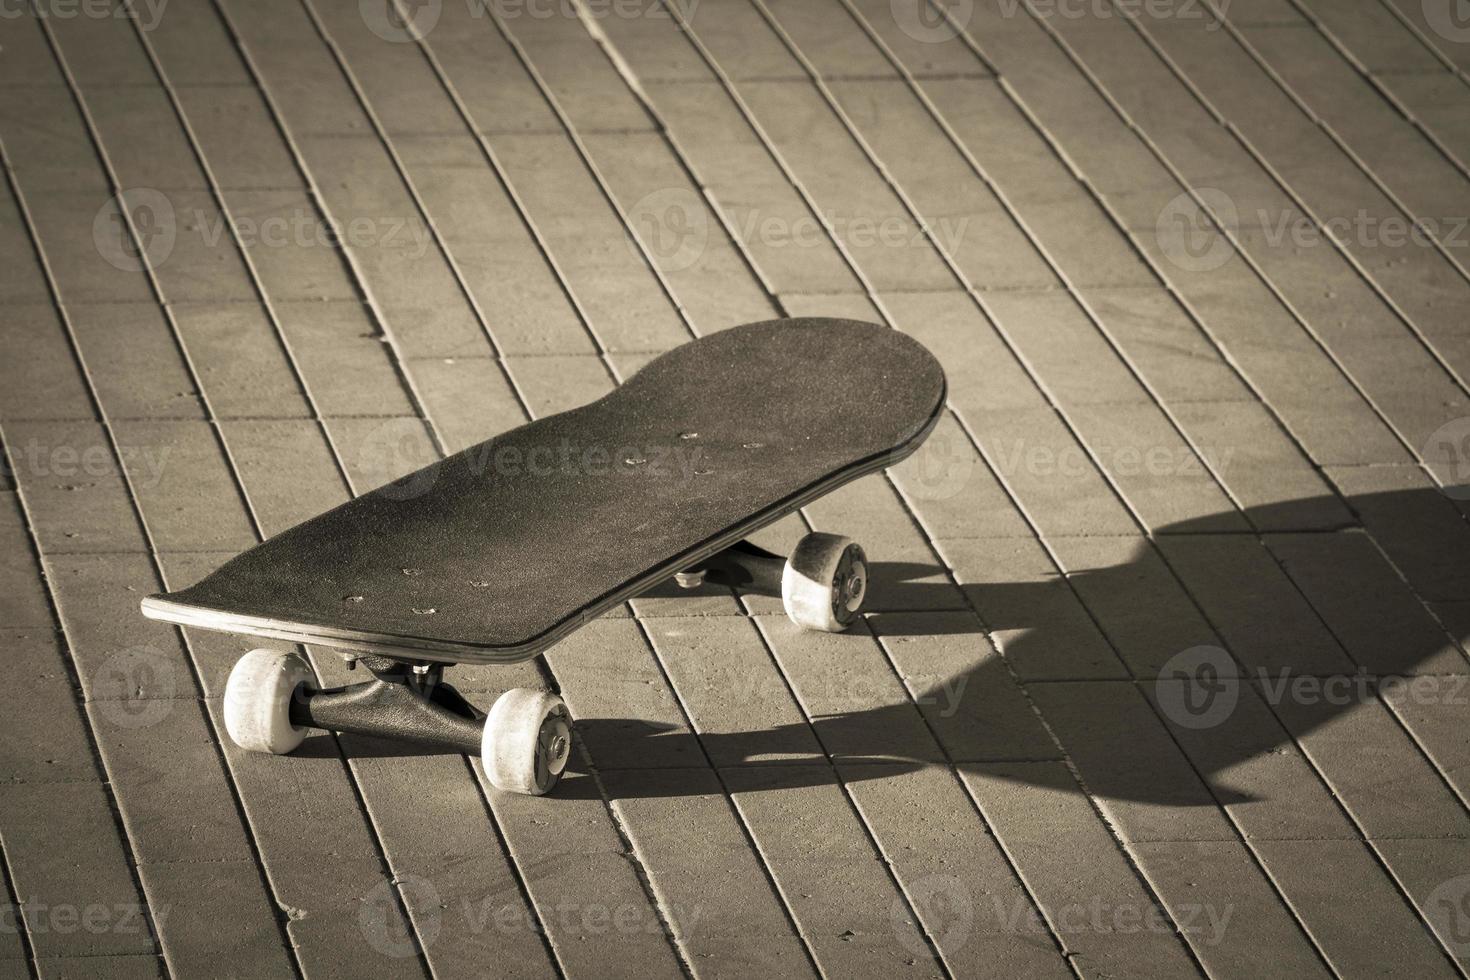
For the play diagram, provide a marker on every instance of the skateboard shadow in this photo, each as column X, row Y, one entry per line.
column 911, row 586
column 321, row 745
column 1157, row 673
column 695, row 776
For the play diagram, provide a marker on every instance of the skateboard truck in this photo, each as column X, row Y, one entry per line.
column 744, row 566
column 411, row 703
column 822, row 584
column 524, row 741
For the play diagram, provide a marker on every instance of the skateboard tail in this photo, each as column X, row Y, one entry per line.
column 164, row 609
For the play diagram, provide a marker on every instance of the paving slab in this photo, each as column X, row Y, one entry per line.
column 72, row 872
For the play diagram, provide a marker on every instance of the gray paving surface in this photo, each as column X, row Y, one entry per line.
column 1164, row 673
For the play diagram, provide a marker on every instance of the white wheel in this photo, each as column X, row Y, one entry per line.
column 824, row 582
column 258, row 701
column 527, row 741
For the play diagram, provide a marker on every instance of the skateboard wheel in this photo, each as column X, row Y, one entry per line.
column 824, row 582
column 689, row 580
column 258, row 697
column 527, row 741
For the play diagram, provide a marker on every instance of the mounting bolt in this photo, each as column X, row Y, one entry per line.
column 689, row 580
column 350, row 659
column 421, row 669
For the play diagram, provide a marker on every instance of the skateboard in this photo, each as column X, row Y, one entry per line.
column 495, row 553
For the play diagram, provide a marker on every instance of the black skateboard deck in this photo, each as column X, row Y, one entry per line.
column 494, row 553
